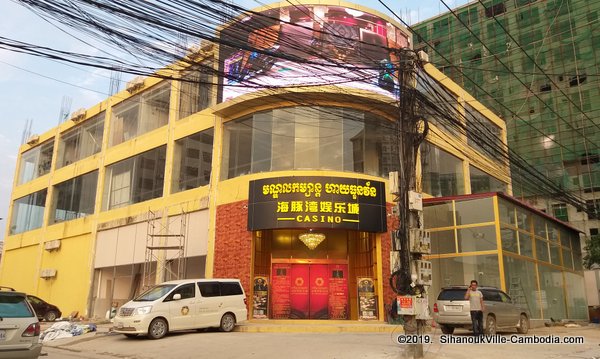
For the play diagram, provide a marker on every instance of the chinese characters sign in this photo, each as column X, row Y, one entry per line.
column 317, row 202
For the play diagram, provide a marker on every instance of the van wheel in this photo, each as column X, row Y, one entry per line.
column 523, row 324
column 446, row 329
column 50, row 316
column 227, row 322
column 490, row 325
column 158, row 328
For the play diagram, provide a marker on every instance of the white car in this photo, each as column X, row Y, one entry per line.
column 19, row 327
column 182, row 305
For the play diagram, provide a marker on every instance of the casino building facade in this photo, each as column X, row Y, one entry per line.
column 276, row 174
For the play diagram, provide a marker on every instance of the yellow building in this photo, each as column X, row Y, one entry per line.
column 176, row 178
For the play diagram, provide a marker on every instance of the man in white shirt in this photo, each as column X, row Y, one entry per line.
column 475, row 298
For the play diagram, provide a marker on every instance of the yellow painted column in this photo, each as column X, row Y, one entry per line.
column 380, row 299
column 499, row 245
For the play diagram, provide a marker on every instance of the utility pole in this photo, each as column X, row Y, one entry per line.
column 410, row 239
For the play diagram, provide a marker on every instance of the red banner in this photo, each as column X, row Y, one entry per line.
column 319, row 291
column 338, row 291
column 280, row 290
column 299, row 293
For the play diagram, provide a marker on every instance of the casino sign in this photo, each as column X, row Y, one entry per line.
column 317, row 202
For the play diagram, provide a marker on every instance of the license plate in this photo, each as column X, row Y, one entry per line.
column 454, row 308
column 120, row 325
column 2, row 334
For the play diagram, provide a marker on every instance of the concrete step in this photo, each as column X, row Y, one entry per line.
column 315, row 326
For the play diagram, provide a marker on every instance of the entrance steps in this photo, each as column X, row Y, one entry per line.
column 316, row 326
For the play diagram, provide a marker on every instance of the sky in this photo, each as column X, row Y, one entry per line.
column 33, row 88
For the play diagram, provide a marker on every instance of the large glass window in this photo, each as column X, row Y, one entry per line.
column 28, row 212
column 81, row 141
column 140, row 114
column 525, row 244
column 438, row 215
column 477, row 239
column 442, row 172
column 521, row 284
column 330, row 138
column 576, row 301
column 443, row 242
column 135, row 179
column 481, row 182
column 552, row 295
column 193, row 161
column 196, row 90
column 74, row 198
column 36, row 162
column 483, row 135
column 474, row 211
column 509, row 240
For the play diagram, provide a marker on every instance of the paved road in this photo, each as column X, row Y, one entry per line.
column 313, row 346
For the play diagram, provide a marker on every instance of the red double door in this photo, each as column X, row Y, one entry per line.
column 310, row 291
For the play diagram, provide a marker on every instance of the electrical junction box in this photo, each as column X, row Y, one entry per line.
column 394, row 261
column 406, row 304
column 420, row 241
column 415, row 201
column 424, row 273
column 422, row 308
column 393, row 183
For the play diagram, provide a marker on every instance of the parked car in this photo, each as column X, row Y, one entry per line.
column 452, row 310
column 19, row 327
column 181, row 305
column 44, row 310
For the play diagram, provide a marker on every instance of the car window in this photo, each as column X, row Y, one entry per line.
column 33, row 299
column 505, row 298
column 186, row 291
column 154, row 293
column 14, row 306
column 230, row 288
column 209, row 289
column 452, row 294
column 491, row 295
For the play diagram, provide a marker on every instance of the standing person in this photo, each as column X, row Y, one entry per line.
column 475, row 298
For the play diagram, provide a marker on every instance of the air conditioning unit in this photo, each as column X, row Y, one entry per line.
column 135, row 84
column 52, row 245
column 33, row 139
column 415, row 201
column 78, row 115
column 420, row 241
column 48, row 273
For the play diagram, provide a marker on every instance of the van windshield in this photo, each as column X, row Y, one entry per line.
column 155, row 293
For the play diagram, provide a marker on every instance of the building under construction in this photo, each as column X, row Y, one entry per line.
column 535, row 63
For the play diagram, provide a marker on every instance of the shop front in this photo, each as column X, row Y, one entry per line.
column 315, row 247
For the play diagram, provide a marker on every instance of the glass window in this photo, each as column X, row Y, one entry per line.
column 552, row 294
column 567, row 258
column 193, row 161
column 576, row 301
column 509, row 240
column 140, row 114
column 441, row 102
column 461, row 270
column 523, row 219
column 481, row 182
column 442, row 172
column 196, row 90
column 541, row 250
column 477, row 239
column 135, row 179
column 521, row 283
column 506, row 212
column 484, row 135
column 328, row 138
column 539, row 226
column 81, row 141
column 186, row 291
column 554, row 254
column 553, row 232
column 74, row 198
column 438, row 215
column 525, row 244
column 559, row 210
column 443, row 242
column 230, row 288
column 209, row 289
column 36, row 162
column 28, row 212
column 474, row 211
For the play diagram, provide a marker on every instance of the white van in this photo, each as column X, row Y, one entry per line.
column 183, row 304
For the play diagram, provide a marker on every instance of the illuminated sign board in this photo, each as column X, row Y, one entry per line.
column 310, row 45
column 317, row 202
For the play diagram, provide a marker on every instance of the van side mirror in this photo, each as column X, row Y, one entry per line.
column 177, row 296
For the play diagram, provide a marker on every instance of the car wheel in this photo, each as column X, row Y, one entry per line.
column 131, row 335
column 227, row 322
column 490, row 325
column 446, row 329
column 50, row 316
column 158, row 328
column 523, row 324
